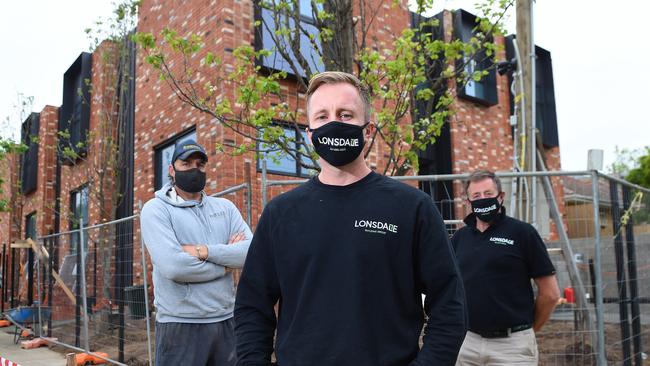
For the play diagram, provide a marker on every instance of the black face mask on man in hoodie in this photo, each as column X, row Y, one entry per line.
column 191, row 180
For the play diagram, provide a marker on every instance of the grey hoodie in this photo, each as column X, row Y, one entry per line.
column 186, row 289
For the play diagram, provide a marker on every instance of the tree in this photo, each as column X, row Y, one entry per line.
column 7, row 147
column 641, row 173
column 10, row 144
column 409, row 78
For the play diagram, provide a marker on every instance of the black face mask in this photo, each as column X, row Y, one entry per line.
column 191, row 181
column 337, row 142
column 486, row 209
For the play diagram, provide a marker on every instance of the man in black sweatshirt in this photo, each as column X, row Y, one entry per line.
column 348, row 256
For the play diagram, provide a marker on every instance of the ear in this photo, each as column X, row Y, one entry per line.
column 171, row 171
column 308, row 135
column 370, row 129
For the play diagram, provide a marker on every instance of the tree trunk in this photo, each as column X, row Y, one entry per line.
column 338, row 52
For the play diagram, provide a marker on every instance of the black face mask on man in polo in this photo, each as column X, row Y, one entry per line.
column 337, row 142
column 191, row 180
column 486, row 209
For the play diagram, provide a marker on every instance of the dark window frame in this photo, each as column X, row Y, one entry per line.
column 29, row 159
column 74, row 114
column 300, row 171
column 277, row 62
column 159, row 172
column 73, row 223
column 28, row 225
column 464, row 25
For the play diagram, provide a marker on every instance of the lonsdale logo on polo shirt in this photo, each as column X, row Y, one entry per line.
column 334, row 141
column 376, row 227
column 502, row 241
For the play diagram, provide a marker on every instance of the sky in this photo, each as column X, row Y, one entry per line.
column 600, row 55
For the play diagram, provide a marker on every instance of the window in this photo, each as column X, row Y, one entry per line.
column 30, row 226
column 78, row 212
column 485, row 90
column 74, row 114
column 29, row 160
column 278, row 162
column 266, row 33
column 163, row 157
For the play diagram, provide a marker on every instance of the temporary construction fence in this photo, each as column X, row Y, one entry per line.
column 92, row 286
column 597, row 229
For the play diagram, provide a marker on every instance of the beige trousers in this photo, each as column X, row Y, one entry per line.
column 518, row 349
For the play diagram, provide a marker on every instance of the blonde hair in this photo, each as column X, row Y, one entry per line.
column 335, row 77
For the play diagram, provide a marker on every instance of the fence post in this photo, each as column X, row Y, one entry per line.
column 146, row 296
column 4, row 277
column 632, row 278
column 84, row 297
column 50, row 280
column 30, row 276
column 600, row 322
column 620, row 273
column 13, row 277
column 249, row 194
column 263, row 183
column 39, row 295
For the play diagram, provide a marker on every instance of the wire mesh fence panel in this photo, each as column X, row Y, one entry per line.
column 570, row 336
column 626, row 267
column 637, row 239
column 60, row 292
column 116, row 320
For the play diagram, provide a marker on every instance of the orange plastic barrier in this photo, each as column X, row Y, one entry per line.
column 86, row 359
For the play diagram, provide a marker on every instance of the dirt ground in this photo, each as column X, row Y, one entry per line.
column 107, row 340
column 559, row 343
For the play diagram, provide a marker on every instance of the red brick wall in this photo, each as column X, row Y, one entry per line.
column 41, row 201
column 223, row 25
column 9, row 168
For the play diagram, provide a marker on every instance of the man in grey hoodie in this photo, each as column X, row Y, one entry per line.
column 192, row 239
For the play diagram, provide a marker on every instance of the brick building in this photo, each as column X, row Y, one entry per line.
column 153, row 119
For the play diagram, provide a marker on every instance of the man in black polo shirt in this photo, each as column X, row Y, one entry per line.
column 498, row 256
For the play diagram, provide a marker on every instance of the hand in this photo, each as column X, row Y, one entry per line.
column 237, row 237
column 198, row 251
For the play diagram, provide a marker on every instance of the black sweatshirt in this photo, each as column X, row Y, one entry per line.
column 348, row 265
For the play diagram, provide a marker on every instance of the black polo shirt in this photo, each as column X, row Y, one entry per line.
column 497, row 266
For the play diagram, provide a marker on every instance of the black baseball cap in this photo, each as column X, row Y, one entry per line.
column 186, row 148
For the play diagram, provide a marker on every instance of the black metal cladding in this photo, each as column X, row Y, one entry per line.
column 485, row 90
column 436, row 158
column 545, row 113
column 29, row 163
column 74, row 115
